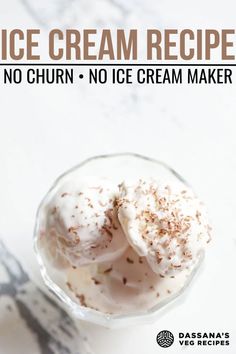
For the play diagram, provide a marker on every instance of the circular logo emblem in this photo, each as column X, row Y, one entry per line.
column 165, row 339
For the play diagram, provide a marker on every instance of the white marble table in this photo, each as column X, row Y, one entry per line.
column 46, row 130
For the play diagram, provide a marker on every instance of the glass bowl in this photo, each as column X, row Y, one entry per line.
column 118, row 167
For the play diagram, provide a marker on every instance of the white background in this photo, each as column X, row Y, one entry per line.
column 45, row 130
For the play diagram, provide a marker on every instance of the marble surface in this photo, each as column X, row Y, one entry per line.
column 29, row 316
column 47, row 129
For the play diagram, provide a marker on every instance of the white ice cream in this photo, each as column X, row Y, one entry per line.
column 163, row 222
column 79, row 224
column 121, row 248
column 126, row 285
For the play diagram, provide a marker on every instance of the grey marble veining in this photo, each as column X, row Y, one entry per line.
column 27, row 312
column 89, row 13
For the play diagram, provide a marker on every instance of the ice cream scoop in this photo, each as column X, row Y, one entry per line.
column 164, row 222
column 79, row 224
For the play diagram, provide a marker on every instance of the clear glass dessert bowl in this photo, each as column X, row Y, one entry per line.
column 117, row 167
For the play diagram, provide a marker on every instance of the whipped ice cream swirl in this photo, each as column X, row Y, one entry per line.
column 164, row 222
column 80, row 224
